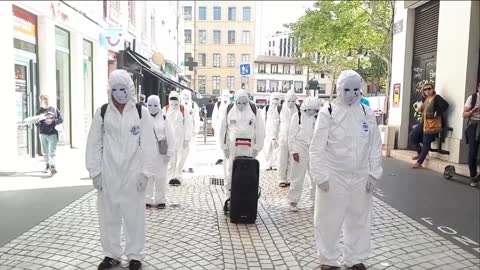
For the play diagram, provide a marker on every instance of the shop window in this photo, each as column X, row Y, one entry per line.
column 298, row 70
column 62, row 63
column 286, row 69
column 298, row 86
column 261, row 68
column 286, row 86
column 273, row 86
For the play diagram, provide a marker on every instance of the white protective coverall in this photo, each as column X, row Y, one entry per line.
column 194, row 112
column 272, row 124
column 289, row 109
column 182, row 130
column 218, row 112
column 299, row 139
column 345, row 163
column 119, row 160
column 157, row 184
column 240, row 122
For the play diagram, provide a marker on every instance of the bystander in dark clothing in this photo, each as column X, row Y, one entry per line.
column 210, row 107
column 472, row 133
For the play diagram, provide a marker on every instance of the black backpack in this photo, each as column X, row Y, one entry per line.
column 103, row 110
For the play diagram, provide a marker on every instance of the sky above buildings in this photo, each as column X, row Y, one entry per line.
column 272, row 15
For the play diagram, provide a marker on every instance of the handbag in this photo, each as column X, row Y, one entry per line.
column 162, row 145
column 432, row 125
column 59, row 127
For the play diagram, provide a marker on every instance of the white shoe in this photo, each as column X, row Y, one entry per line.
column 293, row 207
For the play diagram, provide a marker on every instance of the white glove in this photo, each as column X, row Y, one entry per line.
column 142, row 183
column 275, row 143
column 325, row 186
column 226, row 152
column 185, row 144
column 97, row 182
column 254, row 153
column 371, row 185
column 167, row 159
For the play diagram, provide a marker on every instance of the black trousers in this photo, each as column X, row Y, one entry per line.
column 473, row 144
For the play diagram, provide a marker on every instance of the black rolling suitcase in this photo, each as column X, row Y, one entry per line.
column 244, row 190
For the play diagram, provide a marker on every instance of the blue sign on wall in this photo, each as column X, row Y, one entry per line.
column 245, row 69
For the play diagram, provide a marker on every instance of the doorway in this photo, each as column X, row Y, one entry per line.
column 24, row 99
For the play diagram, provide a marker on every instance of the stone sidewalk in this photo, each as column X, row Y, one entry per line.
column 193, row 233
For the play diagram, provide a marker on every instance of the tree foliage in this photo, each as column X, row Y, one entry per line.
column 332, row 29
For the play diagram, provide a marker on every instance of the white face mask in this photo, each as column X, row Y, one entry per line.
column 351, row 95
column 225, row 98
column 174, row 103
column 290, row 103
column 186, row 99
column 119, row 93
column 153, row 108
column 274, row 103
column 242, row 103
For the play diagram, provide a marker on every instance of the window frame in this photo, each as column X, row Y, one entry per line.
column 202, row 58
column 231, row 60
column 231, row 79
column 232, row 41
column 246, row 38
column 270, row 84
column 200, row 17
column 216, row 62
column 285, row 69
column 187, row 18
column 219, row 37
column 219, row 9
column 202, row 87
column 185, row 36
column 234, row 14
column 214, row 82
column 262, row 70
column 243, row 57
column 300, row 88
column 276, row 69
column 298, row 71
column 264, row 86
column 249, row 14
column 200, row 31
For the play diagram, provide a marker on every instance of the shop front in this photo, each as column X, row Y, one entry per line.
column 25, row 67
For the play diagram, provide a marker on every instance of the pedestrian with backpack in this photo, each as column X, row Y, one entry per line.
column 181, row 124
column 119, row 159
column 164, row 145
column 472, row 133
column 272, row 123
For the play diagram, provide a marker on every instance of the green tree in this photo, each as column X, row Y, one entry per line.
column 333, row 29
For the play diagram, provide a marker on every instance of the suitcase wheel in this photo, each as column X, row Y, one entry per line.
column 449, row 172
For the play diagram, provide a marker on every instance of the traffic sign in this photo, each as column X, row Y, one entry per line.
column 245, row 69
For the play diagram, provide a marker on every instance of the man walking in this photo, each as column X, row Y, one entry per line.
column 119, row 159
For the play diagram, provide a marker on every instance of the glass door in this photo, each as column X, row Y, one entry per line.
column 23, row 108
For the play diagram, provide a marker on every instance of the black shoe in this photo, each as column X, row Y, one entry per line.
column 283, row 184
column 108, row 263
column 219, row 161
column 47, row 168
column 190, row 170
column 135, row 265
column 171, row 182
column 177, row 182
column 288, row 184
column 53, row 170
column 161, row 206
column 148, row 205
column 329, row 267
column 359, row 266
column 226, row 206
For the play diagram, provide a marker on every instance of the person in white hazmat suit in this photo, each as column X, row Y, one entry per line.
column 289, row 109
column 242, row 121
column 119, row 159
column 219, row 111
column 165, row 149
column 299, row 139
column 272, row 124
column 181, row 124
column 193, row 111
column 345, row 163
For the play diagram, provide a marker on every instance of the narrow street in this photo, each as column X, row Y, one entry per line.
column 58, row 228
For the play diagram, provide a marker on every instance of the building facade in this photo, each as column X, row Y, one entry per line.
column 280, row 74
column 66, row 49
column 437, row 42
column 219, row 36
column 281, row 44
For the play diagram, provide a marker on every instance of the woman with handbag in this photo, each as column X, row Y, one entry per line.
column 165, row 146
column 49, row 129
column 472, row 132
column 433, row 108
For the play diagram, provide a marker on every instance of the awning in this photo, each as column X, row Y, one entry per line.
column 141, row 64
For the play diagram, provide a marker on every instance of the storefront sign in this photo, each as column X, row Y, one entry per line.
column 24, row 25
column 396, row 95
column 112, row 39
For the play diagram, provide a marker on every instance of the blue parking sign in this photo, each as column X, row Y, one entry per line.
column 245, row 69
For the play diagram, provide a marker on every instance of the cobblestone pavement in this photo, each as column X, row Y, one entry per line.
column 193, row 233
